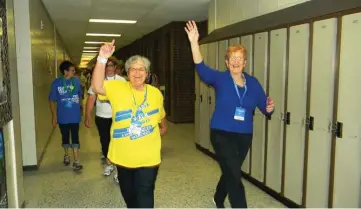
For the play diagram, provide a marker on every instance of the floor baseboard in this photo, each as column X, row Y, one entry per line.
column 30, row 168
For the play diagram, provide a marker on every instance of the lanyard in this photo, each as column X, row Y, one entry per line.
column 145, row 99
column 70, row 89
column 244, row 93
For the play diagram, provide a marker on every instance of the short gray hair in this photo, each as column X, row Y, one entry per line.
column 136, row 58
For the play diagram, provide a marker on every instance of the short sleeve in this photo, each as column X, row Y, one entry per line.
column 162, row 113
column 80, row 91
column 111, row 87
column 53, row 96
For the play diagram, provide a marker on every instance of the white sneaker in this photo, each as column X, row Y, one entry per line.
column 116, row 178
column 108, row 170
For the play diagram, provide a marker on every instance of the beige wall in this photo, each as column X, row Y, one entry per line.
column 38, row 50
column 12, row 130
column 226, row 12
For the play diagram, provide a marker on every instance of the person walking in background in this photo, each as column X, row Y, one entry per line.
column 152, row 79
column 65, row 106
column 237, row 96
column 103, row 118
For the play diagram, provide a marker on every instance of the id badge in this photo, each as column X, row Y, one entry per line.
column 240, row 114
column 135, row 128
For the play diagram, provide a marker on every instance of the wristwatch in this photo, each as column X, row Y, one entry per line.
column 102, row 60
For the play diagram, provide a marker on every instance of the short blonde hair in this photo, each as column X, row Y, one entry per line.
column 235, row 48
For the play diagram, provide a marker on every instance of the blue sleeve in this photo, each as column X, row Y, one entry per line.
column 207, row 74
column 53, row 95
column 261, row 98
column 80, row 92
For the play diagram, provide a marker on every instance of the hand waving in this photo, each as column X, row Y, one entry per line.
column 192, row 31
column 107, row 50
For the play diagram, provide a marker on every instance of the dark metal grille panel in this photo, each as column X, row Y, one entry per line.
column 5, row 90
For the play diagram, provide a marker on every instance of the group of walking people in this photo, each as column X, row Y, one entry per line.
column 131, row 119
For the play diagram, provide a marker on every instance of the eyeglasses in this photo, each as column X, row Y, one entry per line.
column 233, row 59
column 110, row 65
column 142, row 69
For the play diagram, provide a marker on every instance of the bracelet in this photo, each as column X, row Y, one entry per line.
column 102, row 60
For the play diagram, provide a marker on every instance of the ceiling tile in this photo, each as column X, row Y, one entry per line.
column 71, row 18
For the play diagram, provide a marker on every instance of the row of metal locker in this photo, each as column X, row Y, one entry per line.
column 309, row 151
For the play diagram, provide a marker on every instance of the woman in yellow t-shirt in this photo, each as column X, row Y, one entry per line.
column 138, row 124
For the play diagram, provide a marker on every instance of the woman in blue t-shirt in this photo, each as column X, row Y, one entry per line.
column 65, row 105
column 237, row 96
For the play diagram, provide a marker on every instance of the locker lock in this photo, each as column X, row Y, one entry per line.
column 310, row 122
column 287, row 118
column 337, row 129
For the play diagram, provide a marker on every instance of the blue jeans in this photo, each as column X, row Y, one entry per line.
column 137, row 186
column 66, row 130
column 231, row 149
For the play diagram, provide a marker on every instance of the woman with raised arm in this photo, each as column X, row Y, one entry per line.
column 138, row 124
column 237, row 96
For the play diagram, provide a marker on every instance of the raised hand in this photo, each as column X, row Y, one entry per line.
column 107, row 50
column 192, row 31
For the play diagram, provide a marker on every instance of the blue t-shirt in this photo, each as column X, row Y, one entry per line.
column 227, row 99
column 67, row 93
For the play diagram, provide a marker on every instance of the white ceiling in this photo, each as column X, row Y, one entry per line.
column 71, row 18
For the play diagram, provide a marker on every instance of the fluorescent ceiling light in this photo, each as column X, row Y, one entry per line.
column 90, row 51
column 113, row 21
column 87, row 57
column 91, row 47
column 94, row 42
column 103, row 34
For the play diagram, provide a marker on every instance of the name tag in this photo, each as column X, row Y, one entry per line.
column 239, row 114
column 135, row 128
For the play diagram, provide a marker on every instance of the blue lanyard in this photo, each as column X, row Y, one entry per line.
column 145, row 99
column 244, row 93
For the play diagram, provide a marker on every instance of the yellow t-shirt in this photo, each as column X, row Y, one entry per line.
column 142, row 147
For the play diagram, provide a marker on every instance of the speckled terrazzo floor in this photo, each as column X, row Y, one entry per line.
column 187, row 177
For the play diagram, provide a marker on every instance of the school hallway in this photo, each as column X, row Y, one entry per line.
column 187, row 177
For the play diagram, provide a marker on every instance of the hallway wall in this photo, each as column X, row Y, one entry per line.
column 222, row 13
column 39, row 50
column 12, row 130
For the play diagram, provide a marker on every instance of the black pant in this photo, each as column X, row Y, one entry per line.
column 137, row 186
column 104, row 125
column 65, row 130
column 231, row 150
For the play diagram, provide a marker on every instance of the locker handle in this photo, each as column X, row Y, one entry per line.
column 288, row 118
column 311, row 123
column 209, row 99
column 338, row 129
column 201, row 97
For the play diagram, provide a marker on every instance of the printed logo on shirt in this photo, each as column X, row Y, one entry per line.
column 62, row 90
column 73, row 99
column 138, row 128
